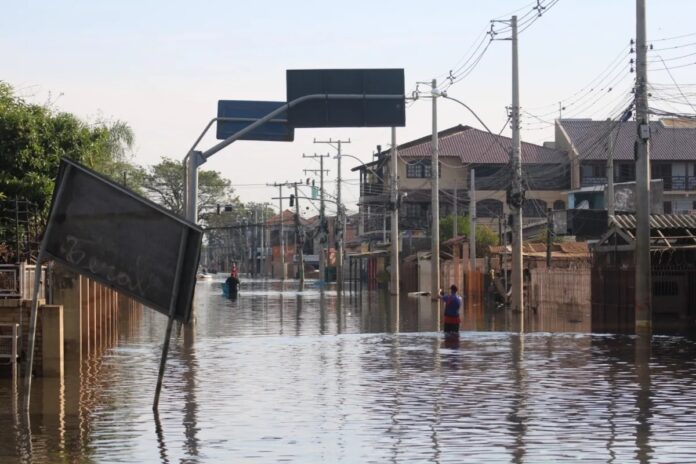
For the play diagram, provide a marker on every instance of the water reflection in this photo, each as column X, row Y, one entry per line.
column 280, row 375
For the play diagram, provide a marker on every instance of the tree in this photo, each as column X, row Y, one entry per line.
column 164, row 184
column 34, row 137
column 485, row 237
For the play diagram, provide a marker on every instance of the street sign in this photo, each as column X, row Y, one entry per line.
column 380, row 112
column 111, row 235
column 247, row 111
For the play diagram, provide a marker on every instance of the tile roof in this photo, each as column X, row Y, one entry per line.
column 472, row 145
column 288, row 219
column 668, row 141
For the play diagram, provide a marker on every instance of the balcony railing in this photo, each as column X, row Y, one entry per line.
column 589, row 181
column 372, row 189
column 687, row 183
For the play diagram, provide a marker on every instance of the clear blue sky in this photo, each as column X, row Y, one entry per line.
column 161, row 66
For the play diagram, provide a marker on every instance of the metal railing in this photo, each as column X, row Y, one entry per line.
column 17, row 280
column 686, row 183
column 9, row 343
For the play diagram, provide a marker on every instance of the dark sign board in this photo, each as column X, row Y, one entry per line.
column 388, row 112
column 253, row 110
column 126, row 242
column 587, row 223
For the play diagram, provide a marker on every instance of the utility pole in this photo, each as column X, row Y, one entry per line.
column 610, row 175
column 322, row 219
column 472, row 222
column 643, row 292
column 263, row 240
column 299, row 237
column 282, row 232
column 455, row 213
column 517, row 194
column 256, row 243
column 549, row 237
column 435, row 193
column 340, row 220
column 394, row 236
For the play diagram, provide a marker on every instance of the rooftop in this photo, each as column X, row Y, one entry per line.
column 474, row 146
column 670, row 140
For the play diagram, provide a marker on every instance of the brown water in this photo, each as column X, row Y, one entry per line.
column 281, row 377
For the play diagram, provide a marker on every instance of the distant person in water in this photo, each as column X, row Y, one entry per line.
column 232, row 281
column 453, row 304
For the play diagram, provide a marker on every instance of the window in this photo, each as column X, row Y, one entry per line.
column 667, row 207
column 625, row 172
column 416, row 210
column 534, row 208
column 414, row 169
column 489, row 208
column 420, row 169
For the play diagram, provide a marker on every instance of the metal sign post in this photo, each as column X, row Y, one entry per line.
column 170, row 322
column 35, row 296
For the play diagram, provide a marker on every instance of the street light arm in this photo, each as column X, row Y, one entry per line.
column 444, row 95
column 364, row 165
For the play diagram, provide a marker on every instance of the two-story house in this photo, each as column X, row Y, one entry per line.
column 461, row 150
column 672, row 156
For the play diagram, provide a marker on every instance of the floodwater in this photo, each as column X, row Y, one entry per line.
column 278, row 376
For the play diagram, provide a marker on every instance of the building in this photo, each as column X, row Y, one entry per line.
column 673, row 274
column 286, row 221
column 672, row 154
column 461, row 150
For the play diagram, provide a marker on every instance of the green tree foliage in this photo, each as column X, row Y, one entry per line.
column 485, row 237
column 34, row 137
column 163, row 183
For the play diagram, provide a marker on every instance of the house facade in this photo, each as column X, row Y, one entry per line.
column 672, row 156
column 462, row 149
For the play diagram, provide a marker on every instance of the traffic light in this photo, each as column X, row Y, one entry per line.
column 292, row 199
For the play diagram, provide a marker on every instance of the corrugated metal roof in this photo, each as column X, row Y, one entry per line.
column 658, row 221
column 472, row 145
column 668, row 142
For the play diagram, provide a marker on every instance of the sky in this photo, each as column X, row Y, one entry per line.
column 161, row 66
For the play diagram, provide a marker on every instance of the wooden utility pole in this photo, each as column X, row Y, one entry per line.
column 322, row 214
column 340, row 213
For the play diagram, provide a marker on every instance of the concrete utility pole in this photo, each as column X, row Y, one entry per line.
column 394, row 236
column 299, row 237
column 472, row 222
column 435, row 208
column 610, row 174
column 282, row 232
column 340, row 220
column 263, row 240
column 194, row 159
column 255, row 241
column 517, row 194
column 643, row 295
column 322, row 218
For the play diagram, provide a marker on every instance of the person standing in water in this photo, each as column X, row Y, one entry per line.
column 453, row 304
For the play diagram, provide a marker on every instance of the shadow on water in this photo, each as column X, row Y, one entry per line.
column 279, row 375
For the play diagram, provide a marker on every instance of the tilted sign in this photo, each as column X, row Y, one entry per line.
column 245, row 112
column 329, row 112
column 126, row 242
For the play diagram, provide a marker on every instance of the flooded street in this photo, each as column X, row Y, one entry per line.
column 278, row 376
